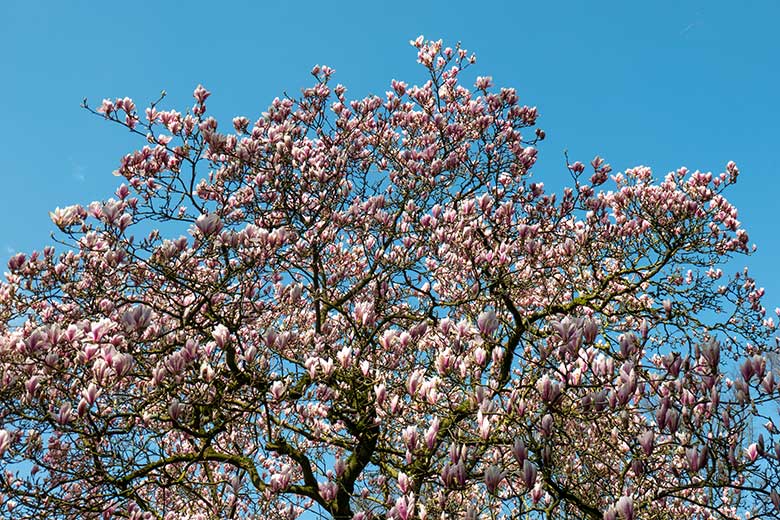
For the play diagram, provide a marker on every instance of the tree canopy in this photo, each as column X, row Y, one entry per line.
column 372, row 309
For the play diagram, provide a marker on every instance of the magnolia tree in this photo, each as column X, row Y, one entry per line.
column 374, row 312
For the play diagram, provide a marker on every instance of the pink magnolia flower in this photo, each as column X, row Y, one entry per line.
column 625, row 508
column 5, row 441
column 548, row 390
column 328, row 490
column 65, row 415
column 175, row 409
column 410, row 437
column 209, row 225
column 66, row 217
column 201, row 94
column 106, row 107
column 646, row 441
column 404, row 507
column 529, row 473
column 431, row 433
column 493, row 477
column 381, row 393
column 404, row 482
column 221, row 335
column 487, row 322
column 752, row 452
column 277, row 390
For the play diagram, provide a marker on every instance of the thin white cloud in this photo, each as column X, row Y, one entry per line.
column 78, row 173
column 697, row 22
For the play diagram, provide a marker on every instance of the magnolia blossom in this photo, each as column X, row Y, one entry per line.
column 5, row 441
column 66, row 217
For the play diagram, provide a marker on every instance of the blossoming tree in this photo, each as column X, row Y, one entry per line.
column 373, row 311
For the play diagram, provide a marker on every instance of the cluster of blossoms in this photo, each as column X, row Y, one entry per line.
column 374, row 312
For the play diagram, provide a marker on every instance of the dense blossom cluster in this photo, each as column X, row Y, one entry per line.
column 375, row 312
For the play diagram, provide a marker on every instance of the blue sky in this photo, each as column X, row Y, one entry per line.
column 662, row 83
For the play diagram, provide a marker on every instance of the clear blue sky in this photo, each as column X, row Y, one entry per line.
column 662, row 83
